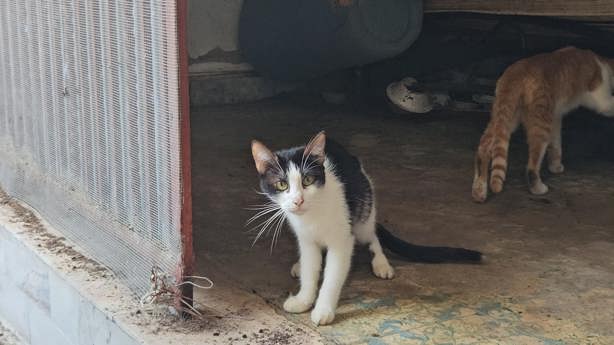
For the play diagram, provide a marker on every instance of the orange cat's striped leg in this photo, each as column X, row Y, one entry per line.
column 555, row 151
column 538, row 142
column 479, row 189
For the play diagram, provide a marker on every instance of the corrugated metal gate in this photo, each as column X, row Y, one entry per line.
column 91, row 100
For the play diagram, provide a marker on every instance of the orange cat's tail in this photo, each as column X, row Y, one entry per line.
column 492, row 152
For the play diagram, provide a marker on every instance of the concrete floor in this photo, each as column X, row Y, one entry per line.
column 549, row 276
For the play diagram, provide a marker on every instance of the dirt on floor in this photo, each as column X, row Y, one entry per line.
column 7, row 337
column 548, row 277
column 51, row 242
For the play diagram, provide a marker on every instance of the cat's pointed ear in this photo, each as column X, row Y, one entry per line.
column 263, row 157
column 316, row 147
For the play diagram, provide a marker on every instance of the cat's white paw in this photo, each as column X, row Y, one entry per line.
column 539, row 188
column 556, row 168
column 296, row 304
column 382, row 269
column 322, row 315
column 295, row 272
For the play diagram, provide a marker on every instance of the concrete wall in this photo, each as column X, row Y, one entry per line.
column 213, row 36
column 40, row 303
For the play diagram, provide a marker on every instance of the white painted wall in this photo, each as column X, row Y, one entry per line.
column 211, row 24
column 215, row 24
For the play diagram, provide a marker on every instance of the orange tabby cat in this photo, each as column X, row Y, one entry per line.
column 537, row 92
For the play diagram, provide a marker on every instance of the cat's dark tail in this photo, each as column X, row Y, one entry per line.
column 416, row 253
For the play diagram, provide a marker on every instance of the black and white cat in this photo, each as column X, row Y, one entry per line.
column 327, row 198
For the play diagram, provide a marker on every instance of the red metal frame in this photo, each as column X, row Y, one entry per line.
column 186, row 267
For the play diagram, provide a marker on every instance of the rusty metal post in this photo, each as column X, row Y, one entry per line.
column 186, row 267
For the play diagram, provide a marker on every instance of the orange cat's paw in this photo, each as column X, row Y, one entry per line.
column 556, row 168
column 479, row 191
column 539, row 189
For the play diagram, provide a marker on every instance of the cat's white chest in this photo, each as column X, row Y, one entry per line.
column 316, row 230
column 327, row 220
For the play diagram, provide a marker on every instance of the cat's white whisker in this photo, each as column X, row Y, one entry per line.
column 306, row 153
column 259, row 234
column 304, row 161
column 261, row 214
column 280, row 227
column 263, row 224
column 304, row 158
column 273, row 239
column 277, row 232
column 279, row 168
column 267, row 228
column 311, row 165
column 268, row 203
column 259, row 207
column 266, row 225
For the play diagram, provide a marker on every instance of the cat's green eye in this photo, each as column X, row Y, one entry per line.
column 281, row 185
column 308, row 180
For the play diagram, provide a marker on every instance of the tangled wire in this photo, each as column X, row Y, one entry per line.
column 163, row 286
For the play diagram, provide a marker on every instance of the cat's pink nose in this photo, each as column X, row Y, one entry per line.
column 298, row 201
